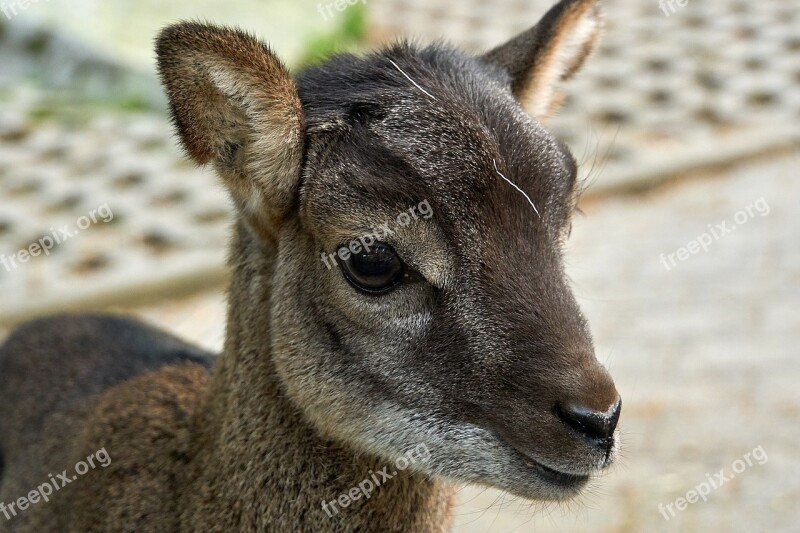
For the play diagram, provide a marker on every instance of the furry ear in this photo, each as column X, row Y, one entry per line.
column 550, row 52
column 235, row 105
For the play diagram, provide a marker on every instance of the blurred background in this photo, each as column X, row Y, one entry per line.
column 686, row 257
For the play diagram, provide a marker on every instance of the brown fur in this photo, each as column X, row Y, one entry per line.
column 221, row 101
column 536, row 60
column 481, row 353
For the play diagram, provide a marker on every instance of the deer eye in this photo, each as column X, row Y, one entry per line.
column 376, row 269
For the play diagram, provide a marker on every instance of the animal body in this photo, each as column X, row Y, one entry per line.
column 451, row 329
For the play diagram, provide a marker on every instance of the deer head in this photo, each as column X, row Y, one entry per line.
column 453, row 325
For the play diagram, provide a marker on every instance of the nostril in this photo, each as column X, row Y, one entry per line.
column 593, row 424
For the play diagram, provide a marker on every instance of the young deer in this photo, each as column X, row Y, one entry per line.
column 458, row 332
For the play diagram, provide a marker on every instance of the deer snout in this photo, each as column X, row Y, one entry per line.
column 597, row 427
column 591, row 410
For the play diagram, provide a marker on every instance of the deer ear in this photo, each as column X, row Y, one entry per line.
column 552, row 51
column 235, row 105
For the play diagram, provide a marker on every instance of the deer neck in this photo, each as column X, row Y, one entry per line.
column 256, row 463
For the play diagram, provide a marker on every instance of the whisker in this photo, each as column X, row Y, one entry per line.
column 412, row 81
column 520, row 190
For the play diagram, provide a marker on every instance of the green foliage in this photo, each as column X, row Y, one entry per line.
column 348, row 36
column 75, row 110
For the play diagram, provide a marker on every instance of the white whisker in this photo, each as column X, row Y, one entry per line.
column 409, row 79
column 520, row 190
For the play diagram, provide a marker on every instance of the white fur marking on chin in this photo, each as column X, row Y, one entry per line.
column 412, row 81
column 520, row 190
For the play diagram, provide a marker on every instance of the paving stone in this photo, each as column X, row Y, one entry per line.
column 166, row 220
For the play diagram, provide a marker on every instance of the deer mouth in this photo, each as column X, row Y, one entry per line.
column 557, row 478
column 565, row 484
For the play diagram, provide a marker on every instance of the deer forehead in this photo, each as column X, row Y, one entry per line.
column 478, row 186
column 452, row 148
column 495, row 178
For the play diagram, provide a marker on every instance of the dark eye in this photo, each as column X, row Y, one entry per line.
column 375, row 269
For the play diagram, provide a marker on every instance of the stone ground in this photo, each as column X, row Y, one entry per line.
column 705, row 355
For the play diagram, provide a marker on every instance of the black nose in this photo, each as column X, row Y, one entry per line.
column 594, row 424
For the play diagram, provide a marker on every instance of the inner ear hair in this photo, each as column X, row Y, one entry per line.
column 234, row 104
column 550, row 52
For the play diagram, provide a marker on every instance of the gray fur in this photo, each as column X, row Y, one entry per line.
column 480, row 353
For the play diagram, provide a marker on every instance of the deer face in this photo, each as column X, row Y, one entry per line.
column 416, row 209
